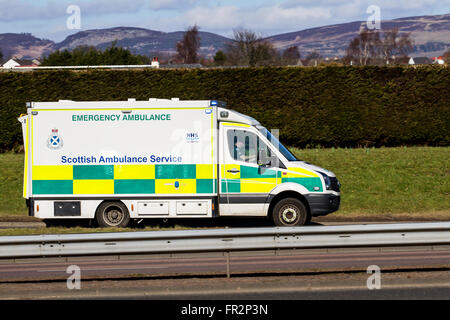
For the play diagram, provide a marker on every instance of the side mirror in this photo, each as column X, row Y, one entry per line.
column 263, row 159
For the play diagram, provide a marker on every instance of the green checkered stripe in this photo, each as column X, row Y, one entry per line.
column 254, row 173
column 164, row 175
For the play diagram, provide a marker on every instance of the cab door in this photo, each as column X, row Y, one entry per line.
column 246, row 177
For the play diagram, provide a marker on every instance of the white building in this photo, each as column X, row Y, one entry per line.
column 155, row 62
column 11, row 63
column 438, row 60
column 419, row 60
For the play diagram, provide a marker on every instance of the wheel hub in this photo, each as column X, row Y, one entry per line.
column 114, row 216
column 289, row 214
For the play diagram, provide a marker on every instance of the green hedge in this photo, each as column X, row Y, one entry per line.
column 327, row 106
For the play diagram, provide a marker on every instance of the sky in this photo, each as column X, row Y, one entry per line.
column 48, row 18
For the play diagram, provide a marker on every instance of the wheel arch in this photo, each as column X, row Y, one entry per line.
column 287, row 194
column 109, row 200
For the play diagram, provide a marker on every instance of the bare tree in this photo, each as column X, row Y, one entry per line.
column 312, row 58
column 188, row 47
column 371, row 46
column 389, row 44
column 249, row 49
column 394, row 44
column 405, row 45
column 364, row 47
column 291, row 55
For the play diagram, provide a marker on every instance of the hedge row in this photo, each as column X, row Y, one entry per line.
column 327, row 106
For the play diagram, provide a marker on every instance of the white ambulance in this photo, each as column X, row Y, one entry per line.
column 114, row 161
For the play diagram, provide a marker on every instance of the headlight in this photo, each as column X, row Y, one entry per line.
column 327, row 180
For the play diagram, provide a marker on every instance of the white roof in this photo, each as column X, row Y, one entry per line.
column 130, row 103
column 232, row 116
column 11, row 64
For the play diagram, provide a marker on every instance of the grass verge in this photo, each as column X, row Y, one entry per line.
column 78, row 229
column 388, row 180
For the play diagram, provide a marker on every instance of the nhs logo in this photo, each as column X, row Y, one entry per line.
column 192, row 137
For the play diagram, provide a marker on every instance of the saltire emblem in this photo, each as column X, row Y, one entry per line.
column 54, row 140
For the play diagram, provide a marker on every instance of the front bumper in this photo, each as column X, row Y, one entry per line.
column 323, row 204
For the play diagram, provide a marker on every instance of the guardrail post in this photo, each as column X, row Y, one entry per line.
column 228, row 264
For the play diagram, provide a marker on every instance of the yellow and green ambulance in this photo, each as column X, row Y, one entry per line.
column 116, row 161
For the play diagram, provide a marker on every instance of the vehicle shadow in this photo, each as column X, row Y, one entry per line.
column 221, row 222
column 177, row 223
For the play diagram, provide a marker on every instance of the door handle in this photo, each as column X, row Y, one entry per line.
column 233, row 171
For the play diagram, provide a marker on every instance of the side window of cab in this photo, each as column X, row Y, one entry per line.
column 244, row 146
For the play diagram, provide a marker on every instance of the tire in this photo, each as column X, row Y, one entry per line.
column 308, row 220
column 290, row 212
column 112, row 214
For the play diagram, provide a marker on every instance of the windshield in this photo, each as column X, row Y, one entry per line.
column 276, row 143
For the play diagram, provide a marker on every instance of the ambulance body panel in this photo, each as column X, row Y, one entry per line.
column 161, row 159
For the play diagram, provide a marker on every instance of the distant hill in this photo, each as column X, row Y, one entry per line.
column 137, row 40
column 140, row 41
column 24, row 45
column 431, row 35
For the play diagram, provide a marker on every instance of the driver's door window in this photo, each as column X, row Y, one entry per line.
column 245, row 146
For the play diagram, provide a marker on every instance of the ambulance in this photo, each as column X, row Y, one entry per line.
column 116, row 162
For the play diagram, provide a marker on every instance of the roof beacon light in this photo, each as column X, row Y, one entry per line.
column 214, row 103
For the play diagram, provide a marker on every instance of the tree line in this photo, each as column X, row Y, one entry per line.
column 369, row 47
column 245, row 49
column 89, row 55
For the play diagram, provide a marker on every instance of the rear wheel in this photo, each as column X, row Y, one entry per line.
column 290, row 212
column 112, row 214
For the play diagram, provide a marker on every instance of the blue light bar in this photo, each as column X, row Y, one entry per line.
column 214, row 103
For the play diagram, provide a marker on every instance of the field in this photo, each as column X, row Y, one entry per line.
column 413, row 180
column 402, row 180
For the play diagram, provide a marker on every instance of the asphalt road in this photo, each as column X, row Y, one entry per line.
column 406, row 293
column 423, row 285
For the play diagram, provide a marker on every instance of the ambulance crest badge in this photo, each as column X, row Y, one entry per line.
column 54, row 140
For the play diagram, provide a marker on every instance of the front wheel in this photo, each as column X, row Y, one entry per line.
column 113, row 214
column 290, row 212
